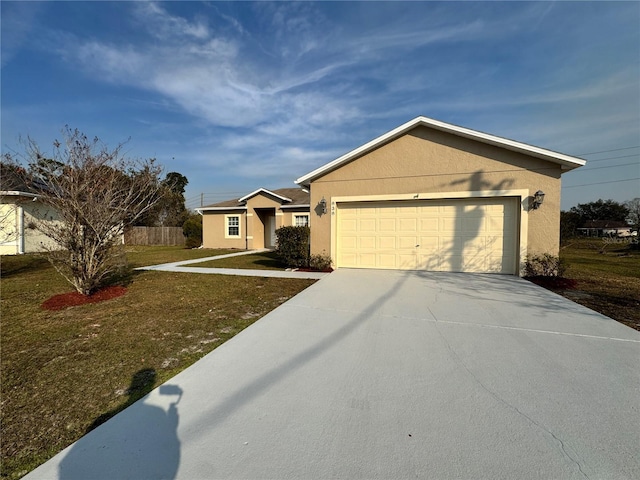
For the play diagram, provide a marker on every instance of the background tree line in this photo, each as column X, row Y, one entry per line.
column 609, row 210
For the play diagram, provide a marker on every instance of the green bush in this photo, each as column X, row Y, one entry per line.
column 293, row 246
column 192, row 229
column 545, row 265
column 320, row 262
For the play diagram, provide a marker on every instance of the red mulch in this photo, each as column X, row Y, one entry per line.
column 554, row 282
column 73, row 299
column 326, row 270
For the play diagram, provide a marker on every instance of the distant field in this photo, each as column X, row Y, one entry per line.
column 607, row 275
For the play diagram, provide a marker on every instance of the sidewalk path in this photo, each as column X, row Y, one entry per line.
column 180, row 267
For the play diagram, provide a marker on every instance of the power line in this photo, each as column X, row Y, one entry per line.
column 601, row 183
column 607, row 151
column 612, row 158
column 588, row 169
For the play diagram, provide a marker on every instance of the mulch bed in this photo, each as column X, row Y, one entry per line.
column 326, row 270
column 73, row 299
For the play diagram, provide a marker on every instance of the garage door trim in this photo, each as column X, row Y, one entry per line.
column 520, row 195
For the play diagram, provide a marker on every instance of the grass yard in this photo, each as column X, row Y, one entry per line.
column 256, row 261
column 608, row 279
column 145, row 256
column 63, row 372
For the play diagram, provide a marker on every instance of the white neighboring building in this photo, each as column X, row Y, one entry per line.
column 19, row 214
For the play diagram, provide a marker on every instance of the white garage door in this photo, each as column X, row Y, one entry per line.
column 468, row 235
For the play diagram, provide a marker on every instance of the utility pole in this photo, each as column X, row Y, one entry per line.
column 202, row 199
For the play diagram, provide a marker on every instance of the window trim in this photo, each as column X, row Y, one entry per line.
column 227, row 226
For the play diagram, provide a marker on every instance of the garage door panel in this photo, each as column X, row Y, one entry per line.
column 475, row 244
column 407, row 242
column 449, row 224
column 407, row 225
column 349, row 242
column 429, row 244
column 429, row 261
column 387, row 243
column 467, row 235
column 472, row 225
column 497, row 224
column 366, row 260
column 406, row 261
column 388, row 260
column 348, row 225
column 367, row 225
column 368, row 242
column 474, row 263
column 429, row 224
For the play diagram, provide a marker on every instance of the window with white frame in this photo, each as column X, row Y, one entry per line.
column 232, row 226
column 301, row 220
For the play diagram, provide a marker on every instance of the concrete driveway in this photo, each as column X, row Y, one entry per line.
column 384, row 374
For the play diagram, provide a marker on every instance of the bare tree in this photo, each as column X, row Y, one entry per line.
column 92, row 194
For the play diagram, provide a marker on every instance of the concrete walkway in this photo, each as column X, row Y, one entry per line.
column 386, row 374
column 180, row 267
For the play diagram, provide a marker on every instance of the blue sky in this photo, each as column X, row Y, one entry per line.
column 240, row 95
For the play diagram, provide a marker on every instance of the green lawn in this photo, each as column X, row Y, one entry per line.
column 257, row 261
column 62, row 371
column 145, row 256
column 608, row 278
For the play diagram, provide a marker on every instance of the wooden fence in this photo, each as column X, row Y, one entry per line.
column 154, row 236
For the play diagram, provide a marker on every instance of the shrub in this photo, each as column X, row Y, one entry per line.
column 293, row 246
column 320, row 262
column 192, row 229
column 545, row 265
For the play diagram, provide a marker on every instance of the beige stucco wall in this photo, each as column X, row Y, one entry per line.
column 426, row 161
column 214, row 227
column 252, row 232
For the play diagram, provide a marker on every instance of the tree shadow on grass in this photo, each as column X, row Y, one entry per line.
column 11, row 265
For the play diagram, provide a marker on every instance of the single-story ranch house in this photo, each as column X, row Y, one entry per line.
column 251, row 221
column 427, row 195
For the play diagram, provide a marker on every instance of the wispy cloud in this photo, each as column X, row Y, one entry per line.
column 162, row 25
column 272, row 90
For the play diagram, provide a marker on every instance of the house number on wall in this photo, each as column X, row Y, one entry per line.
column 333, row 208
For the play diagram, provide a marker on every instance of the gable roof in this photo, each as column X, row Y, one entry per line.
column 289, row 198
column 264, row 190
column 566, row 161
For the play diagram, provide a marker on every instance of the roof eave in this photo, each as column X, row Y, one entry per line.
column 299, row 205
column 203, row 209
column 17, row 193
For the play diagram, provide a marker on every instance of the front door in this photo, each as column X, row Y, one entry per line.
column 270, row 232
